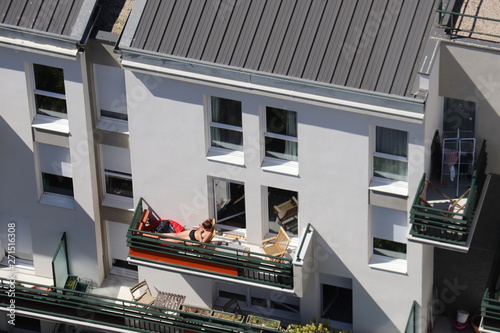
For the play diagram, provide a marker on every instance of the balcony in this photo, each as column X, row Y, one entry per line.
column 477, row 19
column 447, row 222
column 224, row 258
column 490, row 305
column 106, row 313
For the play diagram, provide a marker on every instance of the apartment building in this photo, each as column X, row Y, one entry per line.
column 328, row 123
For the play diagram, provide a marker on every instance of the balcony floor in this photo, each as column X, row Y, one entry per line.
column 444, row 325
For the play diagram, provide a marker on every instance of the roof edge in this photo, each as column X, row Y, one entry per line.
column 244, row 77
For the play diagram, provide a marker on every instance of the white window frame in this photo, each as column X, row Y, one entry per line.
column 386, row 185
column 112, row 124
column 221, row 154
column 41, row 121
column 49, row 198
column 107, row 169
column 275, row 164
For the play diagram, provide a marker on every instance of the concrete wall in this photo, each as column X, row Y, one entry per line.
column 21, row 183
column 167, row 123
column 472, row 74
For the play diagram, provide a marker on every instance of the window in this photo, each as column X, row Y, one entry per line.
column 111, row 98
column 281, row 134
column 459, row 119
column 118, row 183
column 283, row 210
column 336, row 303
column 388, row 248
column 117, row 175
column 50, row 99
column 229, row 202
column 390, row 159
column 57, row 184
column 389, row 228
column 226, row 124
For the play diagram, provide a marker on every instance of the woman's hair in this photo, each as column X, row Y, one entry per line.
column 207, row 224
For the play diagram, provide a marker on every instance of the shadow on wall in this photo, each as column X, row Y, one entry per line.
column 366, row 314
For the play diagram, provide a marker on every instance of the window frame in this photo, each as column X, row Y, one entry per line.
column 224, row 126
column 213, row 204
column 278, row 136
column 391, row 157
column 50, row 94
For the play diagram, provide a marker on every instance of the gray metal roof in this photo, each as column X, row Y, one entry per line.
column 364, row 44
column 68, row 18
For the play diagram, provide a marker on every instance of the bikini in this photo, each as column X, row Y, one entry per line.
column 192, row 235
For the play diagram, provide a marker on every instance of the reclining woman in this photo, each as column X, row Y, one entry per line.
column 203, row 233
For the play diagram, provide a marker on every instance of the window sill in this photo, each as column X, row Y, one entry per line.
column 57, row 200
column 112, row 125
column 118, row 202
column 388, row 264
column 51, row 124
column 281, row 166
column 389, row 186
column 226, row 156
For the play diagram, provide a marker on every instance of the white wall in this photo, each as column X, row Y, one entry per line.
column 171, row 171
column 19, row 178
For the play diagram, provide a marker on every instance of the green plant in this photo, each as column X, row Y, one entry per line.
column 314, row 327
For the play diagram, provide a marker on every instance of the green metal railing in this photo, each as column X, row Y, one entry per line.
column 248, row 266
column 448, row 18
column 490, row 305
column 109, row 312
column 447, row 226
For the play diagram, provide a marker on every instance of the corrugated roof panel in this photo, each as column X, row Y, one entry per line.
column 263, row 34
column 277, row 37
column 188, row 30
column 308, row 37
column 336, row 42
column 369, row 38
column 204, row 28
column 292, row 37
column 379, row 54
column 325, row 31
column 4, row 8
column 174, row 26
column 45, row 16
column 15, row 12
column 218, row 33
column 365, row 44
column 30, row 13
column 351, row 46
column 406, row 67
column 397, row 46
column 61, row 14
column 236, row 24
column 143, row 34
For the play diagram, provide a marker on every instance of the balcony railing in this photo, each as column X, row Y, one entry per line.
column 464, row 22
column 106, row 313
column 450, row 227
column 490, row 305
column 215, row 261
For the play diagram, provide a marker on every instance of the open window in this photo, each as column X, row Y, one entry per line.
column 229, row 204
column 283, row 210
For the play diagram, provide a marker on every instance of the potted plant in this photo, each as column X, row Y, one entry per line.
column 196, row 310
column 263, row 322
column 227, row 315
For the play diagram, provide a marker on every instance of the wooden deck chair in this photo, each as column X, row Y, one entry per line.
column 286, row 213
column 277, row 245
column 141, row 294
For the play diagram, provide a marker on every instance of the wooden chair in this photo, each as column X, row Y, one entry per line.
column 277, row 245
column 287, row 212
column 141, row 294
